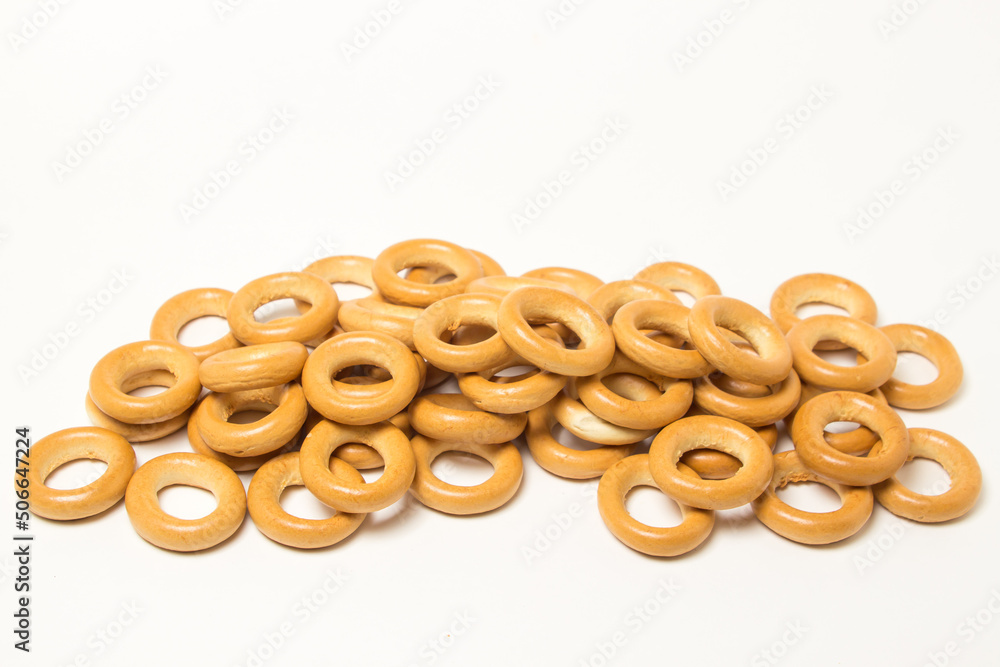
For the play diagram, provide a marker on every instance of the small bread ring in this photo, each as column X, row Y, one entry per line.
column 669, row 405
column 140, row 432
column 121, row 367
column 167, row 531
column 316, row 322
column 501, row 286
column 957, row 461
column 350, row 269
column 773, row 360
column 696, row 524
column 811, row 527
column 431, row 274
column 363, row 457
column 535, row 304
column 447, row 315
column 671, row 318
column 135, row 432
column 71, row 444
column 816, row 453
column 253, row 367
column 185, row 307
column 576, row 418
column 681, row 278
column 716, row 433
column 373, row 313
column 237, row 463
column 753, row 412
column 564, row 461
column 424, row 252
column 856, row 441
column 821, row 288
column 263, row 501
column 610, row 297
column 345, row 495
column 511, row 394
column 452, row 499
column 874, row 368
column 453, row 418
column 287, row 411
column 582, row 283
column 353, row 349
column 935, row 348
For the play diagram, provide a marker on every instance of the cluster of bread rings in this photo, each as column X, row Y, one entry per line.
column 612, row 363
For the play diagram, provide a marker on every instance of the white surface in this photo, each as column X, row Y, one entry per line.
column 319, row 188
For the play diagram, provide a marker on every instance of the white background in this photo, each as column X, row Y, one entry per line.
column 319, row 187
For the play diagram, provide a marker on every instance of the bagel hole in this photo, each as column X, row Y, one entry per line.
column 808, row 310
column 469, row 334
column 515, row 371
column 461, row 469
column 277, row 309
column 924, row 476
column 203, row 330
column 740, row 341
column 74, row 474
column 848, row 357
column 841, row 427
column 372, row 475
column 148, row 390
column 248, row 416
column 350, row 291
column 913, row 368
column 652, row 507
column 810, row 497
column 686, row 298
column 631, row 387
column 186, row 502
column 299, row 502
column 567, row 439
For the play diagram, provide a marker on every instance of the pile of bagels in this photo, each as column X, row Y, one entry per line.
column 348, row 386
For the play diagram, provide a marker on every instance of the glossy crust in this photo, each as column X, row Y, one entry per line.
column 263, row 502
column 819, row 456
column 958, row 462
column 670, row 318
column 707, row 432
column 346, row 495
column 85, row 442
column 449, row 314
column 625, row 475
column 821, row 288
column 811, row 527
column 453, row 418
column 286, row 408
column 424, row 252
column 939, row 351
column 124, row 365
column 182, row 308
column 315, row 323
column 167, row 531
column 452, row 499
column 253, row 367
column 773, row 360
column 564, row 461
column 872, row 371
